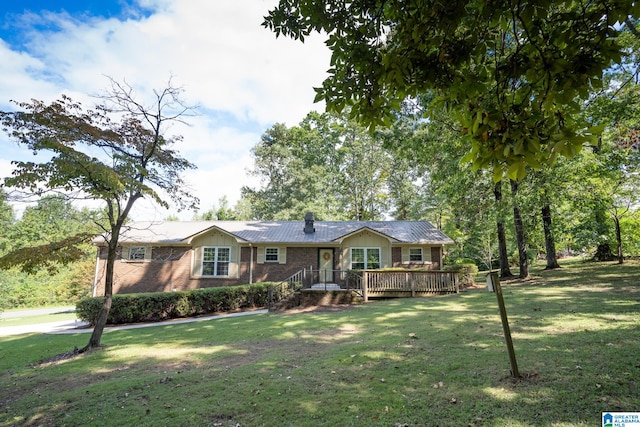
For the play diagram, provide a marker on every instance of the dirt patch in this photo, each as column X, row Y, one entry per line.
column 68, row 355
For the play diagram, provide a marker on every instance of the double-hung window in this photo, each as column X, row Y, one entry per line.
column 215, row 261
column 365, row 258
column 136, row 253
column 271, row 255
column 415, row 254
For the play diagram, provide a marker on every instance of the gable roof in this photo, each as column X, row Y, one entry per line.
column 280, row 232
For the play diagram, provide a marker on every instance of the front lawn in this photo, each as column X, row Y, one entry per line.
column 404, row 362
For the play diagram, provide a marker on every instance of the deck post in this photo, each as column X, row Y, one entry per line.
column 365, row 286
column 413, row 284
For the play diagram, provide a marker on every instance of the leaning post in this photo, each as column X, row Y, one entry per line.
column 493, row 284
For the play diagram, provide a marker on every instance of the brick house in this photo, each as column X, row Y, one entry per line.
column 170, row 255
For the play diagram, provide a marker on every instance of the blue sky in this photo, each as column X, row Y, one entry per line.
column 242, row 78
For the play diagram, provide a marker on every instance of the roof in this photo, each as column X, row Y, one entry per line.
column 280, row 232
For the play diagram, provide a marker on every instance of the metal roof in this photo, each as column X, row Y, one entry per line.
column 280, row 232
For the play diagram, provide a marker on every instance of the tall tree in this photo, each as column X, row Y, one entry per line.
column 7, row 217
column 327, row 164
column 117, row 162
column 617, row 154
column 503, row 254
column 523, row 261
column 509, row 71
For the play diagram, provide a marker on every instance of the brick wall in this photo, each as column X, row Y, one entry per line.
column 297, row 259
column 169, row 269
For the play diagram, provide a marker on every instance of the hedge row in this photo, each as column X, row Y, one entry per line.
column 158, row 306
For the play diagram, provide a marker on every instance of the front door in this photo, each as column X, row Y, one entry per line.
column 326, row 266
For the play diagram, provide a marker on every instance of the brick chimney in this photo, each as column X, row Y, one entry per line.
column 308, row 224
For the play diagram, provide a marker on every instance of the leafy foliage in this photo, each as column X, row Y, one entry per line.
column 328, row 165
column 158, row 306
column 50, row 255
column 90, row 155
column 511, row 73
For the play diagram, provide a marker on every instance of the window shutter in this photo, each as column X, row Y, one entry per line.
column 260, row 259
column 405, row 255
column 196, row 267
column 233, row 262
column 282, row 255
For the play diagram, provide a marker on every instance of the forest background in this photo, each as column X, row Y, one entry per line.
column 588, row 204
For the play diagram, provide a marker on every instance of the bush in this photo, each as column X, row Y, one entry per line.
column 158, row 306
column 466, row 271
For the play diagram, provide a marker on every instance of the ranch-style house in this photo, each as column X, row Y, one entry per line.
column 165, row 256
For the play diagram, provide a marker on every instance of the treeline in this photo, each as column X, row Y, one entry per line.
column 51, row 219
column 338, row 170
column 539, row 192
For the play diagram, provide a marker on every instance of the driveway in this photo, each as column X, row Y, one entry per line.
column 77, row 326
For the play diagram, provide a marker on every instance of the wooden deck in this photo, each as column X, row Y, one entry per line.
column 369, row 283
column 408, row 283
column 385, row 283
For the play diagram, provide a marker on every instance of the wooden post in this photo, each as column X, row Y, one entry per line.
column 413, row 285
column 365, row 285
column 495, row 282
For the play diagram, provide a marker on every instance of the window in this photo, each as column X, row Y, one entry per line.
column 271, row 255
column 415, row 254
column 136, row 253
column 215, row 261
column 365, row 258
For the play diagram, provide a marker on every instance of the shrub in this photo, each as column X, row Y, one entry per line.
column 158, row 306
column 466, row 271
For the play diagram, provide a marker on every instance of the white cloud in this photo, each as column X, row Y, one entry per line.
column 237, row 71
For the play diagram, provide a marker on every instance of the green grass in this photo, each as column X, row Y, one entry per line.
column 415, row 362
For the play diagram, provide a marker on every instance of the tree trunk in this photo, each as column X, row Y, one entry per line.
column 103, row 315
column 522, row 243
column 505, row 271
column 616, row 221
column 550, row 244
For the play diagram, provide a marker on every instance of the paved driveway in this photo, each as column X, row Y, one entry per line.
column 77, row 326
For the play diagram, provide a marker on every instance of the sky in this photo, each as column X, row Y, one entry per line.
column 240, row 76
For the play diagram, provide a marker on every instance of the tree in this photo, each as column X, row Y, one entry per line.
column 49, row 234
column 93, row 156
column 220, row 212
column 503, row 254
column 523, row 260
column 298, row 171
column 327, row 165
column 510, row 72
column 7, row 217
column 614, row 179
